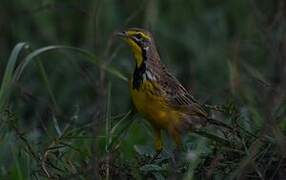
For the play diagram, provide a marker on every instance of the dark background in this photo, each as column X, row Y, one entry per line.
column 62, row 109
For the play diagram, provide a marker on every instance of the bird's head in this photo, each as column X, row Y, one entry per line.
column 139, row 40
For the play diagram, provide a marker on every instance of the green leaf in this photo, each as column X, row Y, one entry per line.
column 151, row 167
column 89, row 56
column 122, row 126
column 255, row 74
column 7, row 79
column 158, row 176
column 144, row 150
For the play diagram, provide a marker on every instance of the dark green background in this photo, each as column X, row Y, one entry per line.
column 225, row 52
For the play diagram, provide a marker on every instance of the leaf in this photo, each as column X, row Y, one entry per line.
column 12, row 75
column 144, row 150
column 7, row 79
column 89, row 56
column 151, row 167
column 255, row 74
column 213, row 137
column 122, row 126
column 108, row 119
column 158, row 176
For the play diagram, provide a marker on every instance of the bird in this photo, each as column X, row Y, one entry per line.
column 157, row 94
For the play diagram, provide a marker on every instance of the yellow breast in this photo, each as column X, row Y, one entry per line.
column 153, row 107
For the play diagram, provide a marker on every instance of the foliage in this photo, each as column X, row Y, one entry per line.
column 65, row 110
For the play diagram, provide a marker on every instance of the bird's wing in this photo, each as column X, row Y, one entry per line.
column 178, row 96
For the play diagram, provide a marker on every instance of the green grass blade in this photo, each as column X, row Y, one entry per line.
column 47, row 84
column 256, row 75
column 7, row 79
column 213, row 137
column 122, row 126
column 107, row 127
column 108, row 119
column 89, row 56
column 194, row 161
column 11, row 76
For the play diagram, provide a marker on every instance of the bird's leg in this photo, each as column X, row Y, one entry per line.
column 177, row 152
column 158, row 144
column 177, row 138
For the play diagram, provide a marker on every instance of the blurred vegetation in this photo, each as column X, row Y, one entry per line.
column 64, row 102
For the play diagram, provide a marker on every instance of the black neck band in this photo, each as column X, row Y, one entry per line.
column 139, row 71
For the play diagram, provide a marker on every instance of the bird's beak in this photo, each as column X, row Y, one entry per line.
column 122, row 34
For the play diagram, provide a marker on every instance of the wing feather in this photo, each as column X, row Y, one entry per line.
column 179, row 97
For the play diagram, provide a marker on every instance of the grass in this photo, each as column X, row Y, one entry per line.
column 66, row 111
column 66, row 149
